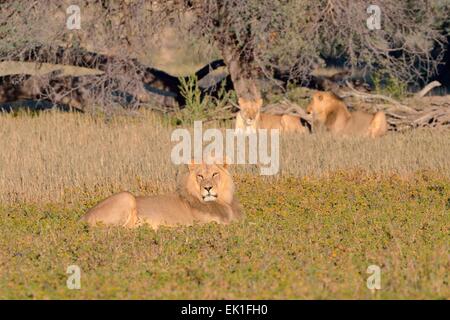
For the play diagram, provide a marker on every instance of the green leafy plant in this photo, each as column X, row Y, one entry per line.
column 203, row 107
column 389, row 85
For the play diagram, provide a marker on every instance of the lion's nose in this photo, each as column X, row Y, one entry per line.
column 208, row 188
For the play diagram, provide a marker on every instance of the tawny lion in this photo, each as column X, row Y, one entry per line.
column 250, row 118
column 205, row 194
column 329, row 112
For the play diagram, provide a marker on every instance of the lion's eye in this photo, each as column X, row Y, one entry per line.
column 200, row 177
column 215, row 174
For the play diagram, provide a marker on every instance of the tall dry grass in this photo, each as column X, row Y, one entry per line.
column 53, row 157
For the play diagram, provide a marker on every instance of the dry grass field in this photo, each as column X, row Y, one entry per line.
column 53, row 156
column 337, row 206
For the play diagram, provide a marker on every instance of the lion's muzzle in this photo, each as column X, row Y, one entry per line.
column 208, row 194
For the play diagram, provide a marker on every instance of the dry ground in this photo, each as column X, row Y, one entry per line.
column 338, row 206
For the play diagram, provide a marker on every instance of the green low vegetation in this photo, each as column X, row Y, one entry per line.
column 301, row 238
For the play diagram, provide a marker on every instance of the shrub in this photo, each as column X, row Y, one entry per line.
column 203, row 107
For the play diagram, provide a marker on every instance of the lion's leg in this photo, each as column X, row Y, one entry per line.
column 284, row 123
column 378, row 126
column 239, row 127
column 119, row 210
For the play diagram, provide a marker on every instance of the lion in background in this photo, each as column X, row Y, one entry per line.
column 204, row 194
column 250, row 118
column 329, row 112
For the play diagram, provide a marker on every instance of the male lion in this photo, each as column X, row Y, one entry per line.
column 205, row 194
column 329, row 112
column 250, row 118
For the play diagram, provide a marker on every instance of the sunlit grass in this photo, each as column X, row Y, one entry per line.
column 301, row 238
column 337, row 206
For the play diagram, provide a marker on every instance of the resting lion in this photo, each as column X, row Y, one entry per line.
column 250, row 118
column 205, row 194
column 329, row 112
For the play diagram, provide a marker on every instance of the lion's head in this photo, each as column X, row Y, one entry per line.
column 208, row 183
column 250, row 110
column 323, row 106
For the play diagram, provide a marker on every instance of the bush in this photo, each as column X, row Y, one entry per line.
column 389, row 85
column 203, row 107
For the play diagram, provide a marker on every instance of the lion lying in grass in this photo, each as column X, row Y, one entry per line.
column 204, row 194
column 250, row 118
column 329, row 112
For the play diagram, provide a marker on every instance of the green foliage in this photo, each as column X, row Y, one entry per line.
column 389, row 85
column 202, row 107
column 312, row 244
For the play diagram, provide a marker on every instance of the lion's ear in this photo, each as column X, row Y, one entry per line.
column 243, row 103
column 226, row 162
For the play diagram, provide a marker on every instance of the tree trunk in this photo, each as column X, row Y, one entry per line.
column 242, row 74
column 239, row 59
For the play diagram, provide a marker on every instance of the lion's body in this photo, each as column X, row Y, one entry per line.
column 329, row 112
column 250, row 118
column 209, row 200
